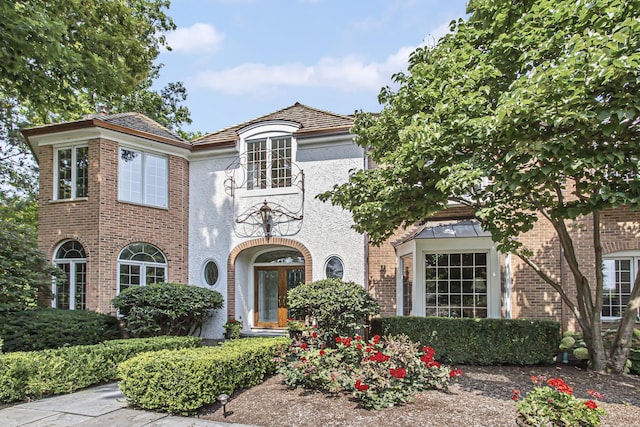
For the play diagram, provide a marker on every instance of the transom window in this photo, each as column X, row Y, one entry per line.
column 141, row 264
column 456, row 284
column 72, row 167
column 142, row 178
column 619, row 275
column 269, row 163
column 70, row 291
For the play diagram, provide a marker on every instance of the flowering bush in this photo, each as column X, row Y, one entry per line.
column 379, row 373
column 233, row 328
column 553, row 403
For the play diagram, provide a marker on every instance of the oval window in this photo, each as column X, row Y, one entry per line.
column 211, row 273
column 334, row 269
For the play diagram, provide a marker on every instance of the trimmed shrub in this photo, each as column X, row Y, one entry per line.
column 38, row 373
column 338, row 308
column 166, row 308
column 52, row 328
column 184, row 381
column 479, row 341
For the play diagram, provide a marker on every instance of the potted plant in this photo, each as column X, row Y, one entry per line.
column 295, row 327
column 232, row 329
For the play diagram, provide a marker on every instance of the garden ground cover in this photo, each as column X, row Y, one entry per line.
column 482, row 397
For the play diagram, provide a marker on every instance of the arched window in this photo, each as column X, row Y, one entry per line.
column 141, row 264
column 334, row 268
column 70, row 291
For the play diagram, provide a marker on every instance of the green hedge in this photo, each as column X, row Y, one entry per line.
column 479, row 341
column 31, row 375
column 184, row 381
column 52, row 328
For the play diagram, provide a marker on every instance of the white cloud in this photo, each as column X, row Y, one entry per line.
column 198, row 38
column 348, row 74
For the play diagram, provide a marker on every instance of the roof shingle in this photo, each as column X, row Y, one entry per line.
column 310, row 120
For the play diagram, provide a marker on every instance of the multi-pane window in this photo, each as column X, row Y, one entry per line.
column 142, row 178
column 456, row 284
column 269, row 163
column 141, row 264
column 69, row 292
column 72, row 167
column 406, row 263
column 619, row 276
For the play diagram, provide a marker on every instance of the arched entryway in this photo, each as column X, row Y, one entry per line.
column 260, row 273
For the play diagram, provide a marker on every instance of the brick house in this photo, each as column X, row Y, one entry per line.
column 125, row 202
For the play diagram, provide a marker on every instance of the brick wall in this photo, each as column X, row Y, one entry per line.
column 531, row 297
column 105, row 226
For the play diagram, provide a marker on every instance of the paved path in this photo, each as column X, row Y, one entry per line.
column 101, row 406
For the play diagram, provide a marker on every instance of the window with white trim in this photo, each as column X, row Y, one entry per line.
column 456, row 284
column 141, row 264
column 72, row 171
column 70, row 292
column 142, row 178
column 269, row 163
column 620, row 271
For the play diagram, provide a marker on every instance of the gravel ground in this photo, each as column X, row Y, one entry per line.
column 482, row 397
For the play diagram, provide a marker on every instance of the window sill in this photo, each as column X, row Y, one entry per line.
column 126, row 202
column 79, row 199
column 244, row 193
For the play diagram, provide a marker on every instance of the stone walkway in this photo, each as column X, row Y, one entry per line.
column 100, row 406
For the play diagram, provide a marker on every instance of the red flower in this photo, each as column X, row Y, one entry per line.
column 455, row 373
column 346, row 342
column 433, row 363
column 321, row 352
column 358, row 338
column 314, row 334
column 368, row 349
column 359, row 346
column 398, row 373
column 376, row 339
column 515, row 394
column 428, row 350
column 303, row 359
column 426, row 358
column 379, row 357
column 591, row 404
column 304, row 346
column 560, row 385
column 338, row 340
column 360, row 386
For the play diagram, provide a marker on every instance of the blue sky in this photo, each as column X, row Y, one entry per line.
column 240, row 59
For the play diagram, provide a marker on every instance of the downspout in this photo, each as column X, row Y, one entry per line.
column 507, row 286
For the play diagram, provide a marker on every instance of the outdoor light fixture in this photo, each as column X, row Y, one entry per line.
column 224, row 399
column 273, row 219
column 265, row 215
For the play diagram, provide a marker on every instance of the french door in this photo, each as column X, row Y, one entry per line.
column 271, row 286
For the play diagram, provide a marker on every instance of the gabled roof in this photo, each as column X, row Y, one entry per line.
column 311, row 121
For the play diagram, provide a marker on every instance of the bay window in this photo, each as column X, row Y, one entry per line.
column 142, row 178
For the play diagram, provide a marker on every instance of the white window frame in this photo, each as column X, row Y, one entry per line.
column 421, row 247
column 267, row 130
column 143, row 267
column 143, row 181
column 73, row 262
column 269, row 149
column 634, row 258
column 74, row 172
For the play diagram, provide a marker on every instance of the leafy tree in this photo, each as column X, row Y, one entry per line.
column 528, row 110
column 25, row 273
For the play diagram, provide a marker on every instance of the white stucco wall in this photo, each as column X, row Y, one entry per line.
column 325, row 231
